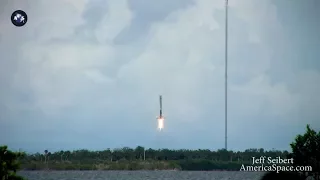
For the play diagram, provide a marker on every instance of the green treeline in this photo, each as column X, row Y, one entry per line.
column 140, row 158
column 305, row 152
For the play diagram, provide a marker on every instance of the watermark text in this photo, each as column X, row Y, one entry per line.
column 277, row 164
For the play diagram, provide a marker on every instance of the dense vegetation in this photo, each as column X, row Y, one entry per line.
column 9, row 164
column 138, row 158
column 305, row 151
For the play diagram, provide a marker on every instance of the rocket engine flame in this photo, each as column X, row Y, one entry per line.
column 160, row 123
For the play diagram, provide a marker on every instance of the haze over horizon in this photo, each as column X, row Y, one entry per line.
column 87, row 74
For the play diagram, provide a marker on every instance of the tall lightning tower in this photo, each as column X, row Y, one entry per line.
column 226, row 79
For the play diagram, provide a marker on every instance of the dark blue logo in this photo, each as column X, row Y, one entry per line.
column 19, row 18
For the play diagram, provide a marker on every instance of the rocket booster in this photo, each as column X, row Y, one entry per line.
column 160, row 98
column 160, row 118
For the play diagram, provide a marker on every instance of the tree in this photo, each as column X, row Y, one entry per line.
column 139, row 151
column 306, row 151
column 45, row 155
column 9, row 164
column 61, row 155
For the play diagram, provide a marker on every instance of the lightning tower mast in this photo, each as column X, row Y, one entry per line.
column 226, row 78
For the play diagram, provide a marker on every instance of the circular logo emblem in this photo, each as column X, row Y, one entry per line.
column 19, row 18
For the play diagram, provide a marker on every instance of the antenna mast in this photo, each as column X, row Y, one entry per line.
column 226, row 78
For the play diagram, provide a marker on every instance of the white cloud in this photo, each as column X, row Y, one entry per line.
column 97, row 76
column 114, row 21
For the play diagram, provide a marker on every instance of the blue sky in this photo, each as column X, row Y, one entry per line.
column 87, row 74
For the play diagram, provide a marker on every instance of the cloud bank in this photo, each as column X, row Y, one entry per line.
column 87, row 74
